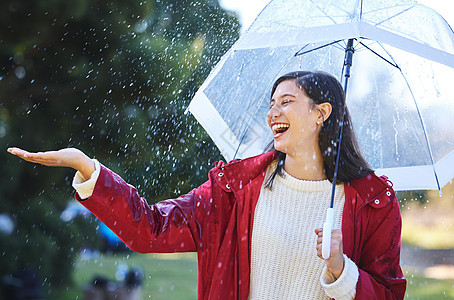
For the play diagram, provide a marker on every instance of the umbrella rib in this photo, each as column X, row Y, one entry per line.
column 298, row 53
column 340, row 8
column 361, row 11
column 420, row 120
column 323, row 12
column 395, row 15
column 248, row 123
column 394, row 64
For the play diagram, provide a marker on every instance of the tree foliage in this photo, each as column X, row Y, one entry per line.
column 113, row 79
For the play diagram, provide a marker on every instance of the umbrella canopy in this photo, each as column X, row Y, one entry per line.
column 399, row 93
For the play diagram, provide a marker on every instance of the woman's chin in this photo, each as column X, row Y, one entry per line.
column 280, row 147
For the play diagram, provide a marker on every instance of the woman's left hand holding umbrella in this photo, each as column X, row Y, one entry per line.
column 335, row 263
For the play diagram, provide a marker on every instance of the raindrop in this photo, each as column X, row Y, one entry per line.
column 121, row 271
column 2, row 132
column 20, row 72
column 141, row 26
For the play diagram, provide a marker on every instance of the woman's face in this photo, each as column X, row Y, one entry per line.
column 293, row 119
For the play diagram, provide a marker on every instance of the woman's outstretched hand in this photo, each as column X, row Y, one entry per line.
column 69, row 157
column 335, row 263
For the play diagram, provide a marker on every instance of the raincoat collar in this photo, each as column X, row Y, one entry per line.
column 234, row 175
column 374, row 190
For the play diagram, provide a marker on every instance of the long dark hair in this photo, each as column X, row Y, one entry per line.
column 322, row 87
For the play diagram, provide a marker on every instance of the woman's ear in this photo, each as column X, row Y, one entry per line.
column 325, row 109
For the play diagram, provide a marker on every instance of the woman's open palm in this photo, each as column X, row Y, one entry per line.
column 69, row 157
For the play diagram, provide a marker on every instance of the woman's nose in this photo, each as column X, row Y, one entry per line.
column 273, row 113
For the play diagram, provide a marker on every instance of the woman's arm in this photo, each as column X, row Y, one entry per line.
column 168, row 226
column 340, row 275
column 376, row 252
column 379, row 268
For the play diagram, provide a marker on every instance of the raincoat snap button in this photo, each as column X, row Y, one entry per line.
column 377, row 201
column 227, row 186
column 221, row 174
column 388, row 193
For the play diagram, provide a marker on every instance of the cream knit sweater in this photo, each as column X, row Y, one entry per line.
column 284, row 262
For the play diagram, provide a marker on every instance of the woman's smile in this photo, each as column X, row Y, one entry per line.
column 279, row 129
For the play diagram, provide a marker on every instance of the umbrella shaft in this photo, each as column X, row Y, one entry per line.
column 347, row 64
column 348, row 61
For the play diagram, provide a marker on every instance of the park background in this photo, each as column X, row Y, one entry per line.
column 114, row 79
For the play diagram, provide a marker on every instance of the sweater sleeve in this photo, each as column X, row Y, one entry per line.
column 344, row 288
column 168, row 226
column 84, row 187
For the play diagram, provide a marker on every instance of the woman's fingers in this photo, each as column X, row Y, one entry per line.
column 17, row 151
column 28, row 156
column 318, row 247
column 335, row 263
column 23, row 154
column 336, row 240
column 49, row 158
column 68, row 157
column 319, row 250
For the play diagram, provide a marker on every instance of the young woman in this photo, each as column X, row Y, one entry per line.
column 253, row 222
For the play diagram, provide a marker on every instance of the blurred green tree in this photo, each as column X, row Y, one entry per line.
column 113, row 79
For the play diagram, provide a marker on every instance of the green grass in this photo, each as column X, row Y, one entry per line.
column 174, row 276
column 167, row 276
column 423, row 288
column 429, row 223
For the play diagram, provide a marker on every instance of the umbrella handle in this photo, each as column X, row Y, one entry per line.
column 327, row 228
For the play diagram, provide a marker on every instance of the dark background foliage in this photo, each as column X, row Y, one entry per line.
column 112, row 79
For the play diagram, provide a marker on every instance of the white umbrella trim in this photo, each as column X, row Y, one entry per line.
column 342, row 31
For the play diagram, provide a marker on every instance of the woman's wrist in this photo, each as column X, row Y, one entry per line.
column 86, row 166
column 337, row 272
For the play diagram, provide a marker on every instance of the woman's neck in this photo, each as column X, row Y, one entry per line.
column 307, row 165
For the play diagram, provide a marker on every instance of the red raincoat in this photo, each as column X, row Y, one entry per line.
column 216, row 220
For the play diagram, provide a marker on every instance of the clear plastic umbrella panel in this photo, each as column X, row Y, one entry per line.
column 399, row 93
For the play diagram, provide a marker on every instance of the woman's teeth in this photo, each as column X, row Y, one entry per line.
column 279, row 128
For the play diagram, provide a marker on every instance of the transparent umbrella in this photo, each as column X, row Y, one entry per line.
column 401, row 55
column 399, row 94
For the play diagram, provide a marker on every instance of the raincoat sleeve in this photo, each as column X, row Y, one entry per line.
column 168, row 226
column 380, row 275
